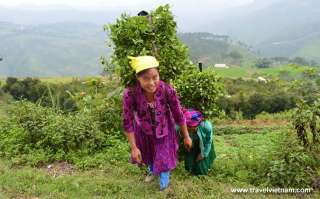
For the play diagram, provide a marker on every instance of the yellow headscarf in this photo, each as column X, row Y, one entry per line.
column 141, row 63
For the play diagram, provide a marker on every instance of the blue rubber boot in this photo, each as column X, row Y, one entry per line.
column 164, row 180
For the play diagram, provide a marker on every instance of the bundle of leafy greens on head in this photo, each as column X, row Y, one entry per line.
column 148, row 34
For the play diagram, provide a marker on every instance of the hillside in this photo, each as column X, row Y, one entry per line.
column 51, row 50
column 211, row 49
column 275, row 28
column 74, row 49
column 302, row 41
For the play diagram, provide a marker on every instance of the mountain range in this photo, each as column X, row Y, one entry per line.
column 55, row 42
column 287, row 28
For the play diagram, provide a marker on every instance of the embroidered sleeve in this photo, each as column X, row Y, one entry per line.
column 175, row 106
column 127, row 111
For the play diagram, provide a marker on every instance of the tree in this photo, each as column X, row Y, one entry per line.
column 263, row 63
column 300, row 61
column 236, row 57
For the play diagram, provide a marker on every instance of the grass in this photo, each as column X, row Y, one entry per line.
column 248, row 72
column 123, row 180
column 48, row 79
column 232, row 72
column 57, row 79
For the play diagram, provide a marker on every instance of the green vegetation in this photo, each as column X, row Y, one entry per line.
column 247, row 98
column 283, row 72
column 213, row 49
column 242, row 162
column 64, row 139
column 200, row 90
column 154, row 35
column 306, row 122
column 62, row 49
column 39, row 157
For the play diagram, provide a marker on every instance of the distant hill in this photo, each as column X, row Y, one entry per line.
column 74, row 49
column 62, row 49
column 298, row 41
column 273, row 28
column 212, row 49
column 276, row 27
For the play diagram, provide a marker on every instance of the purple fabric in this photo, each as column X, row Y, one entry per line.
column 193, row 117
column 160, row 148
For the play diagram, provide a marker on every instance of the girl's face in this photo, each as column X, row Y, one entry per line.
column 149, row 80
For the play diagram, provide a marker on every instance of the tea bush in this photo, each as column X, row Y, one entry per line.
column 306, row 119
column 251, row 98
column 52, row 95
column 35, row 134
column 200, row 90
column 155, row 35
column 108, row 115
column 293, row 165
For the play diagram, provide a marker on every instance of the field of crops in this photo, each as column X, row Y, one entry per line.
column 249, row 72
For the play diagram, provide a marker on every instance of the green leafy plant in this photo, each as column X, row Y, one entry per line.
column 306, row 121
column 155, row 35
column 200, row 90
column 53, row 135
column 293, row 165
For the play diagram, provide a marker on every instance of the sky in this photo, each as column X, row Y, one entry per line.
column 186, row 12
column 99, row 4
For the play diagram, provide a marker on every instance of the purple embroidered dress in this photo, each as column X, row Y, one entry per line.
column 153, row 125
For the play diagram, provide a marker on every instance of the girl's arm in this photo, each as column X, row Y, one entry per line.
column 178, row 116
column 128, row 126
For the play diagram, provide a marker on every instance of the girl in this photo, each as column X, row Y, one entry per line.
column 150, row 110
column 199, row 159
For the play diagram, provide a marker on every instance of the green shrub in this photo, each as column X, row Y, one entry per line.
column 251, row 98
column 13, row 139
column 200, row 90
column 52, row 95
column 293, row 165
column 49, row 134
column 28, row 88
column 306, row 121
column 108, row 115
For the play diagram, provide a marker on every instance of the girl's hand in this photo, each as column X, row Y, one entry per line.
column 187, row 143
column 136, row 155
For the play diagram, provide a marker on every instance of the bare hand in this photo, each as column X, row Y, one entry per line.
column 136, row 155
column 187, row 143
